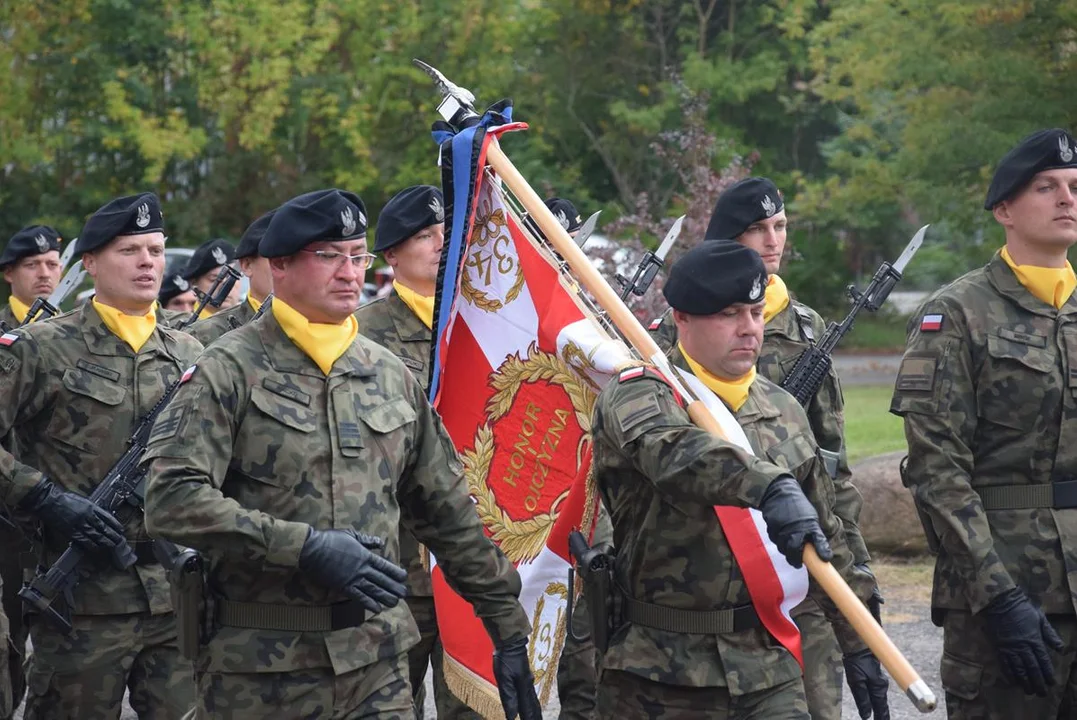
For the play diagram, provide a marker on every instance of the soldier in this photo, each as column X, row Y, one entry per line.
column 31, row 266
column 203, row 267
column 411, row 232
column 690, row 639
column 753, row 213
column 256, row 268
column 176, row 296
column 74, row 389
column 986, row 388
column 290, row 457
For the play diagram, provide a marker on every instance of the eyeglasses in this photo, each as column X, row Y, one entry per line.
column 334, row 259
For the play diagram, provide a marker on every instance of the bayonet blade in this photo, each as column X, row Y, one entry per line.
column 446, row 86
column 587, row 229
column 671, row 237
column 68, row 253
column 910, row 249
column 70, row 281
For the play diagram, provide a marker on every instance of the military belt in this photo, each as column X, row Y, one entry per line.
column 1056, row 495
column 290, row 618
column 691, row 622
column 143, row 550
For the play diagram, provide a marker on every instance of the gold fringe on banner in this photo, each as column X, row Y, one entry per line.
column 471, row 689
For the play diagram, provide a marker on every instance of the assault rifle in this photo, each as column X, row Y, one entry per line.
column 813, row 365
column 122, row 493
column 218, row 292
column 649, row 265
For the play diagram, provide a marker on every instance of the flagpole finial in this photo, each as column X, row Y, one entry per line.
column 457, row 104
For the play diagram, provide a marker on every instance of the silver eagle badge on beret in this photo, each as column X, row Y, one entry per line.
column 769, row 207
column 756, row 291
column 347, row 218
column 435, row 207
column 1065, row 152
column 41, row 242
column 143, row 217
column 218, row 256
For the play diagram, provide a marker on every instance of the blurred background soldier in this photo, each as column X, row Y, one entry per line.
column 986, row 388
column 31, row 266
column 256, row 268
column 74, row 389
column 177, row 296
column 202, row 269
column 291, row 457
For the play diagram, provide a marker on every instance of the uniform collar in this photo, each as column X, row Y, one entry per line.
column 1003, row 279
column 409, row 328
column 287, row 357
column 102, row 341
column 758, row 404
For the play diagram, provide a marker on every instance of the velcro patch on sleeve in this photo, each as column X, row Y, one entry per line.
column 188, row 374
column 655, row 324
column 168, row 423
column 633, row 412
column 8, row 339
column 932, row 322
column 917, row 374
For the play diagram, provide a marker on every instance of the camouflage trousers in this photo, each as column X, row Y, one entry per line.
column 84, row 675
column 626, row 696
column 973, row 681
column 449, row 707
column 577, row 670
column 380, row 691
column 823, row 671
column 11, row 572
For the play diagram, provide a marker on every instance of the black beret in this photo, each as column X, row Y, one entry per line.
column 131, row 215
column 408, row 212
column 208, row 256
column 248, row 244
column 1042, row 150
column 172, row 286
column 743, row 203
column 714, row 275
column 322, row 215
column 33, row 240
column 565, row 212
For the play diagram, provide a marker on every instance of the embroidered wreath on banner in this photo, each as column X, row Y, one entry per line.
column 522, row 540
column 490, row 228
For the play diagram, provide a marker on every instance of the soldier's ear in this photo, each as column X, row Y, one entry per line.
column 1002, row 214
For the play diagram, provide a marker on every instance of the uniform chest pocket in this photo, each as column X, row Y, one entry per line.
column 1018, row 374
column 287, row 412
column 86, row 418
column 796, row 452
column 276, row 444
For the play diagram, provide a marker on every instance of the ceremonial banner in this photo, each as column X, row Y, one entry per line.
column 518, row 363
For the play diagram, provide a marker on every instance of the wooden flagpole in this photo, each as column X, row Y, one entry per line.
column 824, row 573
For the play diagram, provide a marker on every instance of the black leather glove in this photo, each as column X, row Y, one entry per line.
column 791, row 521
column 70, row 515
column 342, row 560
column 515, row 683
column 1021, row 635
column 868, row 684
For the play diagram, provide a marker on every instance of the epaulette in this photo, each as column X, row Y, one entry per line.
column 648, row 371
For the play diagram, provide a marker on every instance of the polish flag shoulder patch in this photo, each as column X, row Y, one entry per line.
column 8, row 339
column 631, row 373
column 188, row 374
column 931, row 323
column 655, row 324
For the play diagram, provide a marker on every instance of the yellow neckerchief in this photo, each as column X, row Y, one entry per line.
column 733, row 393
column 1051, row 285
column 134, row 330
column 253, row 302
column 322, row 342
column 19, row 308
column 776, row 298
column 206, row 312
column 422, row 306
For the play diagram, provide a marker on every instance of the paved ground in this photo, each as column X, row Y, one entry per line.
column 867, row 369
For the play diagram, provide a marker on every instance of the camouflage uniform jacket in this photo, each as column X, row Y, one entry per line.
column 73, row 393
column 391, row 323
column 172, row 318
column 8, row 317
column 784, row 339
column 208, row 330
column 988, row 400
column 259, row 446
column 660, row 477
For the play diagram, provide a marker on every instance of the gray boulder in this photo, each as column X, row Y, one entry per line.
column 888, row 520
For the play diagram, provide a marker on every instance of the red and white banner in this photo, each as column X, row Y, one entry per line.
column 521, row 363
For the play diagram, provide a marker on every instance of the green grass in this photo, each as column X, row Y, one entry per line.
column 870, row 429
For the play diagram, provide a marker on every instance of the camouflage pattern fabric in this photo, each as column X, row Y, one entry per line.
column 16, row 554
column 7, row 317
column 391, row 323
column 75, row 392
column 988, row 400
column 377, row 691
column 259, row 446
column 169, row 318
column 627, row 696
column 657, row 474
column 823, row 672
column 208, row 330
column 577, row 670
column 84, row 675
column 783, row 342
column 973, row 681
